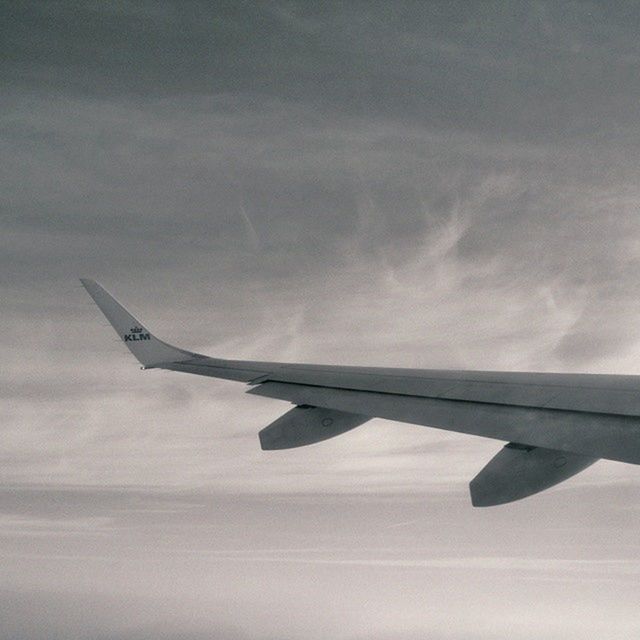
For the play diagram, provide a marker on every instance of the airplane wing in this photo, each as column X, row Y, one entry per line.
column 555, row 424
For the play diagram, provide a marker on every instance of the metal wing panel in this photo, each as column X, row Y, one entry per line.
column 238, row 370
column 613, row 437
column 569, row 392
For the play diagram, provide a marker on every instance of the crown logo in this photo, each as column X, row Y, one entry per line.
column 136, row 330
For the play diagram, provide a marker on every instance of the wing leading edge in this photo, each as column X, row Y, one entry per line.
column 574, row 417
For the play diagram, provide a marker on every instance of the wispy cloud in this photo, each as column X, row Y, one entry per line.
column 420, row 185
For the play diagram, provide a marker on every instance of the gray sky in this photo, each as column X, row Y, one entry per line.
column 402, row 184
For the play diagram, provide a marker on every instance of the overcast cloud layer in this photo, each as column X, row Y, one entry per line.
column 402, row 184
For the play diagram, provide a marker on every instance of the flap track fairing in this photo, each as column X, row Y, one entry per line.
column 519, row 471
column 305, row 425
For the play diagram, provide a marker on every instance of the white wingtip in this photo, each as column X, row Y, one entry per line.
column 148, row 350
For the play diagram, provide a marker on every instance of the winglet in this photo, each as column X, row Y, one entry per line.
column 141, row 342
